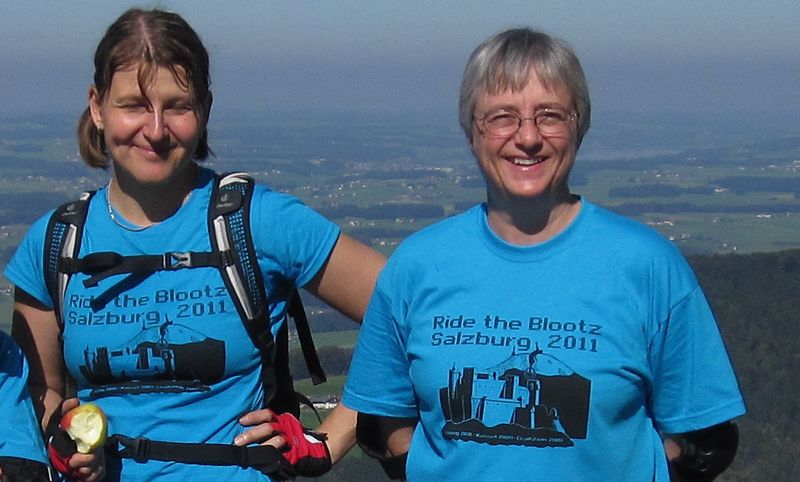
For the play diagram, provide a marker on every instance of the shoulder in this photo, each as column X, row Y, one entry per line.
column 433, row 246
column 627, row 234
column 637, row 248
column 273, row 207
column 266, row 203
column 439, row 236
column 457, row 224
column 34, row 240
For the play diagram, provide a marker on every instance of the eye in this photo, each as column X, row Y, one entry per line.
column 133, row 107
column 180, row 108
column 551, row 116
column 501, row 119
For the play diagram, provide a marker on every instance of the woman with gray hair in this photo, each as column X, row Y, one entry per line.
column 537, row 335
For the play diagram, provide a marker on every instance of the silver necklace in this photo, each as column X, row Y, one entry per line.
column 116, row 221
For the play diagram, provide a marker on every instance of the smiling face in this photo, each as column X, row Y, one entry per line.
column 150, row 136
column 525, row 165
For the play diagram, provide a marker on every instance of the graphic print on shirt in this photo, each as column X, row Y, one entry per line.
column 531, row 399
column 161, row 348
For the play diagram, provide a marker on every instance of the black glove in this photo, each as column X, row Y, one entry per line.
column 307, row 454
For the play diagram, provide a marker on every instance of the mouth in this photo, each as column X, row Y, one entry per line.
column 526, row 161
column 152, row 151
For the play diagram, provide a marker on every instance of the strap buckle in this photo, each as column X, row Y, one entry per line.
column 137, row 449
column 175, row 260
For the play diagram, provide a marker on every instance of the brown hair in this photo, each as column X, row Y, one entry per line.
column 150, row 38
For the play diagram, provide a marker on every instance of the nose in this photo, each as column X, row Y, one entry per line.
column 155, row 129
column 528, row 133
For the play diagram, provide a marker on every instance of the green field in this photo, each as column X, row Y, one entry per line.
column 342, row 339
column 333, row 386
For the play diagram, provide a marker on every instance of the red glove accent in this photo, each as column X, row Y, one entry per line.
column 61, row 448
column 307, row 453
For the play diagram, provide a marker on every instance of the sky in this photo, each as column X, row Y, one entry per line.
column 713, row 56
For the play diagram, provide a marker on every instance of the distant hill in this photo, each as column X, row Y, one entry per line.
column 756, row 299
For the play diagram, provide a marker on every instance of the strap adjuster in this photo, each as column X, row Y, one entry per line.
column 175, row 260
column 137, row 449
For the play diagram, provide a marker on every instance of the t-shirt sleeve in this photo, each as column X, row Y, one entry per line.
column 25, row 269
column 695, row 385
column 379, row 380
column 19, row 432
column 291, row 235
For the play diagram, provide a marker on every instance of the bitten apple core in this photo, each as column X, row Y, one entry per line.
column 87, row 425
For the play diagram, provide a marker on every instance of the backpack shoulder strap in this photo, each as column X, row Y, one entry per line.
column 229, row 227
column 62, row 244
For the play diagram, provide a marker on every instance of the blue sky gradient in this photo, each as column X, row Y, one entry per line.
column 714, row 56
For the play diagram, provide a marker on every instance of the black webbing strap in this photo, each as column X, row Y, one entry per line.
column 104, row 264
column 298, row 314
column 265, row 458
column 15, row 469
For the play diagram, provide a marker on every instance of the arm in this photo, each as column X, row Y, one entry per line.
column 701, row 455
column 347, row 279
column 345, row 282
column 35, row 330
column 387, row 439
column 341, row 422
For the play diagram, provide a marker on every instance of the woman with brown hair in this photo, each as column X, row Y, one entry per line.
column 166, row 371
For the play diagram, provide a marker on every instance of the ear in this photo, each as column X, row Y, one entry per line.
column 207, row 108
column 94, row 107
column 471, row 139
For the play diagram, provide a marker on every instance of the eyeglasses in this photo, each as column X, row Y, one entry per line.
column 551, row 121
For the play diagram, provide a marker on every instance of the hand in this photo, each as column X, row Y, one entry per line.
column 307, row 451
column 63, row 453
column 262, row 432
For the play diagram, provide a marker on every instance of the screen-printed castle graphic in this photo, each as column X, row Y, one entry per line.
column 172, row 353
column 527, row 399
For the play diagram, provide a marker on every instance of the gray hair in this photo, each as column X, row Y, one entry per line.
column 506, row 60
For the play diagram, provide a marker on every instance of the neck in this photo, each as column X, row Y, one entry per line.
column 530, row 222
column 148, row 204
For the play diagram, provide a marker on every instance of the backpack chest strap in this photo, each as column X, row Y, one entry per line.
column 265, row 458
column 104, row 264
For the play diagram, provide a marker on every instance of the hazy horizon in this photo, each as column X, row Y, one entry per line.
column 717, row 56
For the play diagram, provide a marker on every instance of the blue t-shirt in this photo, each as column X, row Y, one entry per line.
column 560, row 361
column 167, row 356
column 20, row 435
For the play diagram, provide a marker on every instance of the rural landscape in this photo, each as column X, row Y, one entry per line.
column 727, row 195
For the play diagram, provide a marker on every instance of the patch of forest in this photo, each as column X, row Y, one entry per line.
column 756, row 300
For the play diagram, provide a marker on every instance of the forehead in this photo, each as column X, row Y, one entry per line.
column 134, row 79
column 532, row 95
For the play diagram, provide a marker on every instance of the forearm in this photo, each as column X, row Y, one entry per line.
column 340, row 427
column 701, row 455
column 47, row 401
column 36, row 332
